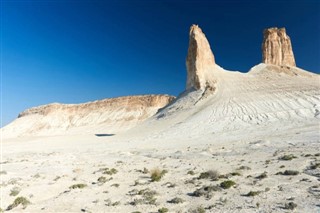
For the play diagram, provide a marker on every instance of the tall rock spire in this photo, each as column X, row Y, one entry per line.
column 276, row 47
column 200, row 61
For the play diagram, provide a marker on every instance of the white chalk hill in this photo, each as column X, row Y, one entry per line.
column 221, row 101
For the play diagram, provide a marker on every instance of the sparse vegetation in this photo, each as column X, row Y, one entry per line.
column 103, row 179
column 290, row 206
column 78, row 186
column 15, row 191
column 157, row 174
column 111, row 171
column 244, row 168
column 199, row 209
column 19, row 200
column 211, row 174
column 176, row 200
column 206, row 191
column 191, row 172
column 262, row 176
column 163, row 210
column 147, row 197
column 288, row 173
column 287, row 157
column 115, row 185
column 227, row 184
column 252, row 193
column 314, row 165
column 108, row 202
column 235, row 174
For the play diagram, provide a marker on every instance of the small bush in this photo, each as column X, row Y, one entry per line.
column 78, row 186
column 252, row 193
column 176, row 200
column 157, row 174
column 199, row 209
column 244, row 168
column 191, row 173
column 235, row 174
column 109, row 203
column 147, row 197
column 19, row 200
column 262, row 176
column 290, row 206
column 15, row 191
column 227, row 184
column 111, row 171
column 314, row 166
column 287, row 157
column 211, row 174
column 288, row 173
column 102, row 179
column 115, row 185
column 206, row 191
column 163, row 210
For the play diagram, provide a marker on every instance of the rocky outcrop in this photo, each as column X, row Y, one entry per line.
column 200, row 61
column 276, row 47
column 109, row 115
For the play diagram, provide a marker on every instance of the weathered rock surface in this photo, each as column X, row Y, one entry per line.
column 108, row 115
column 200, row 61
column 277, row 48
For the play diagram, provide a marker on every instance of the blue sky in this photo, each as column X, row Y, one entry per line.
column 77, row 51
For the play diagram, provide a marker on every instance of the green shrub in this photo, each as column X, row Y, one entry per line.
column 19, row 200
column 163, row 210
column 227, row 184
column 206, row 191
column 190, row 173
column 78, row 186
column 287, row 157
column 176, row 200
column 157, row 174
column 262, row 176
column 252, row 193
column 115, row 185
column 288, row 173
column 290, row 206
column 15, row 191
column 211, row 174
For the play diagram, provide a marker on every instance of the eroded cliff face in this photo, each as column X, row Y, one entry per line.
column 200, row 61
column 109, row 115
column 277, row 48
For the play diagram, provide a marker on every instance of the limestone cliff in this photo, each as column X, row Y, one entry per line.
column 104, row 116
column 200, row 61
column 277, row 48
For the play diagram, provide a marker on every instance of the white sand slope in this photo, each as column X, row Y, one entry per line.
column 264, row 96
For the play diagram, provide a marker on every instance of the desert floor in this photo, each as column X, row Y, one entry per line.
column 45, row 171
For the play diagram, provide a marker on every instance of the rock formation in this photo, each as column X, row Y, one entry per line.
column 109, row 115
column 276, row 47
column 200, row 61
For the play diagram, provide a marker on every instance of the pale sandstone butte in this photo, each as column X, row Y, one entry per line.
column 277, row 48
column 200, row 61
column 111, row 115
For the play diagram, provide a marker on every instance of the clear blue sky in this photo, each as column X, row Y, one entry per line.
column 84, row 50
